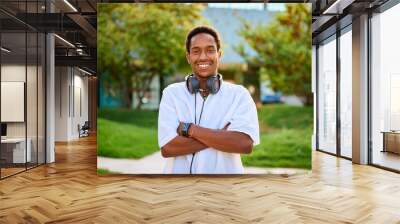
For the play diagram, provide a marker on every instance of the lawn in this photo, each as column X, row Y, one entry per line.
column 104, row 171
column 126, row 134
column 285, row 135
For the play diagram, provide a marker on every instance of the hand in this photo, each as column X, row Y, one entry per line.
column 179, row 129
column 191, row 130
column 193, row 127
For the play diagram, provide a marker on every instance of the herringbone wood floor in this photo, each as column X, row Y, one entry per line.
column 69, row 191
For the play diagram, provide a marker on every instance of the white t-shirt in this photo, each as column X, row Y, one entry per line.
column 232, row 103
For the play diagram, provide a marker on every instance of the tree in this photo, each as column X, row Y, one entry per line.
column 140, row 41
column 283, row 50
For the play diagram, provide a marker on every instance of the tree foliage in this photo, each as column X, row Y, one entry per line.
column 283, row 50
column 137, row 42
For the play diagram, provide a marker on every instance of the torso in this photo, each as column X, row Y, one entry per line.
column 218, row 109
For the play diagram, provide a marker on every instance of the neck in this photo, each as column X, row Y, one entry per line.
column 203, row 86
column 203, row 83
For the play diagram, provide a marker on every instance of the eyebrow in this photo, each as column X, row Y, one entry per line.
column 209, row 46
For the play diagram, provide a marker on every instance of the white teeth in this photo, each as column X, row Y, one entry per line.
column 203, row 66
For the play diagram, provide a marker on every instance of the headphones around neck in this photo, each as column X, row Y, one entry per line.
column 213, row 83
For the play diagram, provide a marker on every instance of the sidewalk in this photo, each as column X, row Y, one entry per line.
column 154, row 164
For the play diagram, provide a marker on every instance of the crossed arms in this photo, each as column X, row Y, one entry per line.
column 201, row 138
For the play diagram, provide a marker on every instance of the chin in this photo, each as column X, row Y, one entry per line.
column 204, row 74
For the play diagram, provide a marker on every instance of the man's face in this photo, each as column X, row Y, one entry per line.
column 203, row 55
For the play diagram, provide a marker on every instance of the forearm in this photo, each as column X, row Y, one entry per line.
column 223, row 140
column 181, row 146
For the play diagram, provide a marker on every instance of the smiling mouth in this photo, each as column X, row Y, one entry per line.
column 204, row 65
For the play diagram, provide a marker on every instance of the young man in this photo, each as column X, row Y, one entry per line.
column 204, row 123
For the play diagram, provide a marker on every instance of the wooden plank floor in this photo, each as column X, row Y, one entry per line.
column 69, row 191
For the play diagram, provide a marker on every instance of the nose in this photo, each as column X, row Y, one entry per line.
column 203, row 55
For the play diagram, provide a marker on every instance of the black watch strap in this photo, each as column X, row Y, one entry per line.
column 185, row 129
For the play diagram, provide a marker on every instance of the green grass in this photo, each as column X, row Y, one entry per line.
column 286, row 117
column 127, row 134
column 285, row 135
column 104, row 171
column 285, row 148
column 140, row 118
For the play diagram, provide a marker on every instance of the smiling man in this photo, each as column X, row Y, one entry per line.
column 204, row 123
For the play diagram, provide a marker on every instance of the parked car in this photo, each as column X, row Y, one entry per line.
column 268, row 95
column 271, row 98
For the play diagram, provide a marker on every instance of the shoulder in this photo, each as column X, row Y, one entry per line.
column 174, row 88
column 237, row 93
column 235, row 89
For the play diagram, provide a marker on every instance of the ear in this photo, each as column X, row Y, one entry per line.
column 188, row 57
column 220, row 53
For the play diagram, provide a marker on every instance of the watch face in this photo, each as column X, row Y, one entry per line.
column 185, row 129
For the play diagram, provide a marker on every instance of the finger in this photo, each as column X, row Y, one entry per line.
column 226, row 126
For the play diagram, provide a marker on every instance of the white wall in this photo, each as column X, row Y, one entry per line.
column 71, row 102
column 61, row 103
column 80, row 104
column 14, row 73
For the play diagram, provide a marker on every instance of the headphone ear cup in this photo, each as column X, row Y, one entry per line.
column 192, row 84
column 213, row 84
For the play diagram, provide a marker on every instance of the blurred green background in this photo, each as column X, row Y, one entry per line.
column 266, row 48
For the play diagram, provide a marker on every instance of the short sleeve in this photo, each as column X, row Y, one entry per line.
column 167, row 119
column 245, row 117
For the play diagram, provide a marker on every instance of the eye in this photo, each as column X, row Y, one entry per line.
column 211, row 51
column 195, row 51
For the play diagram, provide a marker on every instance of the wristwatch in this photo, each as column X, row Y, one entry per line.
column 185, row 129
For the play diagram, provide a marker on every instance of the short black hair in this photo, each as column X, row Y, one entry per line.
column 202, row 29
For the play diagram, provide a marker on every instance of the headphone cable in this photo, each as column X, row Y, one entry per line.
column 195, row 118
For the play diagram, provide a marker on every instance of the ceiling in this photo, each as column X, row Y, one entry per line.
column 73, row 20
column 332, row 15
